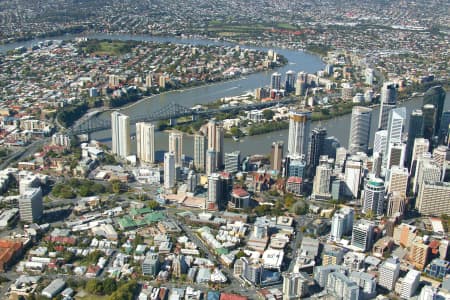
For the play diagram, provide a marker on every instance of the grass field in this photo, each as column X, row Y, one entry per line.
column 107, row 47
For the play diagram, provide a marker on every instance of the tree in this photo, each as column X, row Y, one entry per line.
column 153, row 204
column 268, row 114
column 109, row 286
column 116, row 186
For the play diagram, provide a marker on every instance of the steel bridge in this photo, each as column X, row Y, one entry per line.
column 171, row 112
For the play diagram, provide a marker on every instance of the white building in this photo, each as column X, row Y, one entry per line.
column 389, row 272
column 145, row 142
column 169, row 170
column 30, row 205
column 374, row 197
column 299, row 130
column 353, row 169
column 380, row 141
column 360, row 129
column 294, row 285
column 120, row 133
column 199, row 152
column 362, row 235
column 410, row 284
column 341, row 223
column 176, row 146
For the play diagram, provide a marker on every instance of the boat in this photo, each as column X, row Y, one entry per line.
column 235, row 138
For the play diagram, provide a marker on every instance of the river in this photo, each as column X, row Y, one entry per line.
column 260, row 144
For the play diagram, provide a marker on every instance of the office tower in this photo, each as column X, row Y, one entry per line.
column 398, row 180
column 377, row 163
column 300, row 84
column 374, row 197
column 396, row 204
column 232, row 161
column 149, row 80
column 316, row 147
column 340, row 285
column 169, row 170
column 191, row 182
column 415, row 130
column 367, row 283
column 441, row 155
column 275, row 81
column 322, row 180
column 31, row 207
column 435, row 96
column 395, row 125
column 210, row 165
column 434, row 198
column 120, row 134
column 388, row 102
column 290, row 81
column 380, row 141
column 296, row 168
column 428, row 293
column 360, row 129
column 215, row 140
column 295, row 285
column 214, row 191
column 299, row 128
column 362, row 235
column 353, row 169
column 429, row 121
column 151, row 264
column 276, row 156
column 341, row 157
column 389, row 272
column 369, row 74
column 443, row 128
column 342, row 223
column 145, row 142
column 199, row 152
column 410, row 284
column 332, row 255
column 427, row 170
column 321, row 273
column 176, row 146
column 421, row 146
column 347, row 91
column 419, row 253
column 330, row 145
column 396, row 155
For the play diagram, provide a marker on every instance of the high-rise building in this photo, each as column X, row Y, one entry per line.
column 374, row 197
column 398, row 180
column 342, row 287
column 275, row 81
column 435, row 96
column 199, row 152
column 419, row 254
column 410, row 284
column 441, row 155
column 367, row 283
column 214, row 191
column 321, row 273
column 360, row 129
column 295, row 285
column 377, row 162
column 331, row 144
column 380, row 141
column 415, row 130
column 232, row 161
column 316, row 147
column 215, row 141
column 149, row 80
column 369, row 75
column 145, row 142
column 429, row 121
column 120, row 134
column 389, row 272
column 30, row 205
column 433, row 198
column 396, row 204
column 362, row 235
column 421, row 146
column 388, row 102
column 396, row 155
column 210, row 164
column 176, row 146
column 395, row 126
column 151, row 264
column 443, row 131
column 290, row 81
column 322, row 180
column 276, row 156
column 427, row 170
column 353, row 169
column 341, row 223
column 299, row 128
column 169, row 170
column 428, row 293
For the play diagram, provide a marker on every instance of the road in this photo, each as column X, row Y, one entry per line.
column 25, row 152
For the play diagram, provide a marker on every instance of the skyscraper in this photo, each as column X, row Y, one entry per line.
column 374, row 197
column 214, row 191
column 322, row 180
column 398, row 180
column 436, row 96
column 120, row 134
column 341, row 223
column 396, row 123
column 427, row 170
column 389, row 272
column 215, row 141
column 295, row 285
column 433, row 198
column 169, row 170
column 362, row 235
column 380, row 141
column 290, row 81
column 429, row 121
column 176, row 146
column 353, row 168
column 275, row 81
column 396, row 155
column 199, row 152
column 276, row 155
column 415, row 130
column 211, row 161
column 145, row 142
column 316, row 147
column 410, row 284
column 232, row 161
column 360, row 129
column 396, row 204
column 30, row 205
column 388, row 102
column 420, row 147
column 299, row 128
